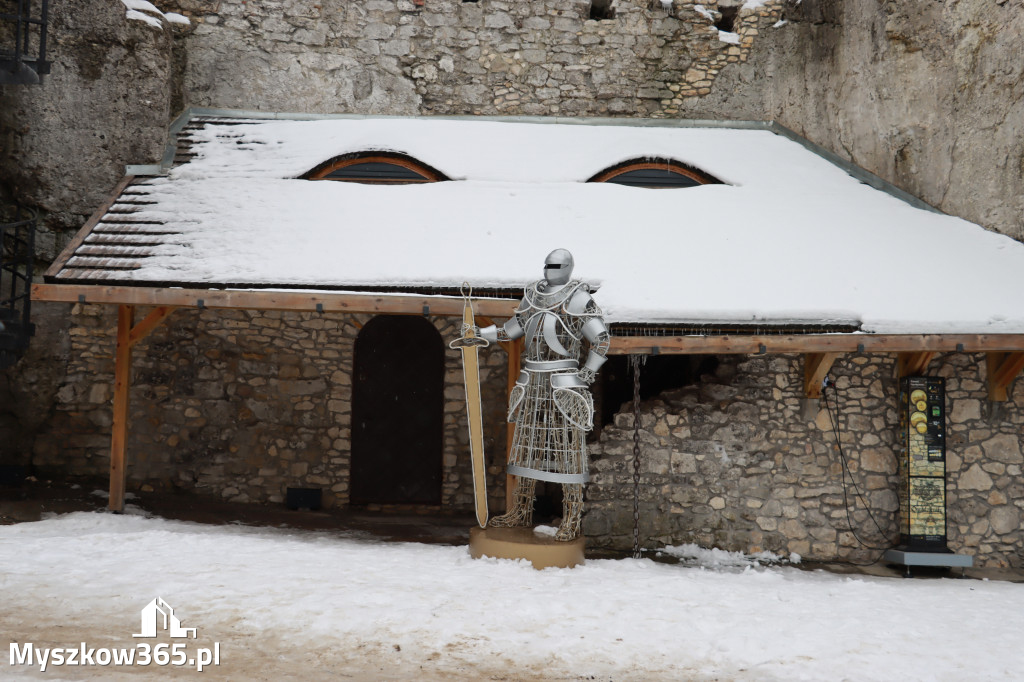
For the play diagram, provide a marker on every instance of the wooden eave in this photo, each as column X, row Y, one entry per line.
column 414, row 304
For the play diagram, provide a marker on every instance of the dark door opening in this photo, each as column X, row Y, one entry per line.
column 658, row 374
column 397, row 412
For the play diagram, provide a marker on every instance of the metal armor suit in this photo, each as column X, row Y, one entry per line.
column 551, row 404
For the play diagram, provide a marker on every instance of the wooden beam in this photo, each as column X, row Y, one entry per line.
column 815, row 343
column 151, row 322
column 76, row 241
column 376, row 303
column 910, row 364
column 515, row 351
column 263, row 299
column 816, row 366
column 119, row 429
column 1002, row 369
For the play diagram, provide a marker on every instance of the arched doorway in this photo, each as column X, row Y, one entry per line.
column 397, row 412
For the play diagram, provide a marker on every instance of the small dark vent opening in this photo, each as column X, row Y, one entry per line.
column 728, row 21
column 658, row 374
column 473, row 1
column 602, row 9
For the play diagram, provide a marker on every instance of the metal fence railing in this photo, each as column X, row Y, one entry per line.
column 23, row 41
column 17, row 256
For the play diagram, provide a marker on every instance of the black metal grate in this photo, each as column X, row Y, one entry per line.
column 17, row 253
column 653, row 178
column 376, row 172
column 758, row 328
column 23, row 42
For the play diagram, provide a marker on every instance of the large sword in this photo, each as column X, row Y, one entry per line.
column 470, row 345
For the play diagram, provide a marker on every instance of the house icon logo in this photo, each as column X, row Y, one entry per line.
column 151, row 620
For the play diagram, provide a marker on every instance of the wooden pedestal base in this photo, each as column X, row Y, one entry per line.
column 542, row 551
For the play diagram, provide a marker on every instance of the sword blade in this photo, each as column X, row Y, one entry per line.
column 469, row 346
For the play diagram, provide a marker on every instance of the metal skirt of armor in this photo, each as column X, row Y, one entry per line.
column 552, row 410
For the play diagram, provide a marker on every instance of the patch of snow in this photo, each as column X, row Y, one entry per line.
column 753, row 4
column 704, row 12
column 142, row 10
column 666, row 4
column 780, row 23
column 142, row 6
column 729, row 37
column 714, row 558
column 545, row 530
column 139, row 16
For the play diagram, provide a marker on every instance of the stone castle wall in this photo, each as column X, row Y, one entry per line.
column 731, row 463
column 244, row 404
column 494, row 57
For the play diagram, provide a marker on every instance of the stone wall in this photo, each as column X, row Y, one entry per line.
column 731, row 462
column 64, row 145
column 495, row 57
column 244, row 404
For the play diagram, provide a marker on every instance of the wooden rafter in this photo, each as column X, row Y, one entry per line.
column 910, row 364
column 1002, row 369
column 816, row 366
column 151, row 322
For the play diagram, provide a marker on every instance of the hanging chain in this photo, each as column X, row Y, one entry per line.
column 635, row 361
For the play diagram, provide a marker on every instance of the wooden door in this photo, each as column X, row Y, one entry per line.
column 397, row 412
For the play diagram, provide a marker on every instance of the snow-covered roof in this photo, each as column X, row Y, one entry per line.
column 790, row 237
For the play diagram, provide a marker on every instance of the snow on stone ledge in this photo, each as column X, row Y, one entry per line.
column 141, row 10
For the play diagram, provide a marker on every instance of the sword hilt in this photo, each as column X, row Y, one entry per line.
column 469, row 342
column 469, row 338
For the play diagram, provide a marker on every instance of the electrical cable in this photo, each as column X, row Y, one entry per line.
column 846, row 470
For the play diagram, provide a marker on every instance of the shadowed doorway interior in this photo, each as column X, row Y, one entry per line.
column 397, row 412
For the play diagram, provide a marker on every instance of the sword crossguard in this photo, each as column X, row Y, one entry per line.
column 469, row 342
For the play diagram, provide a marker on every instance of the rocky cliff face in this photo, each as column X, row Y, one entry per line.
column 928, row 95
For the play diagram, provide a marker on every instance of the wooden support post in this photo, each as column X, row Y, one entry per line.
column 1002, row 369
column 122, row 383
column 128, row 334
column 816, row 366
column 909, row 364
column 515, row 351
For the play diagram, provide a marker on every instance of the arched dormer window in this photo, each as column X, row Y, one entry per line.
column 655, row 174
column 376, row 168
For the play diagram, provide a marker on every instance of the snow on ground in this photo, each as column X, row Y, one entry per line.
column 288, row 604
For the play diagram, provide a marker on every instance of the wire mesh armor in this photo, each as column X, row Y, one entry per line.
column 551, row 404
column 551, row 408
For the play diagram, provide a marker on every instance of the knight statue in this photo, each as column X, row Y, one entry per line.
column 551, row 404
